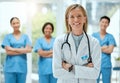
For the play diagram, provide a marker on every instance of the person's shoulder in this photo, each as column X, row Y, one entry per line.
column 95, row 34
column 60, row 38
column 8, row 35
column 24, row 35
column 40, row 38
column 92, row 39
column 109, row 35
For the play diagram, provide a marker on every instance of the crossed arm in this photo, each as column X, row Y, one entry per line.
column 107, row 49
column 16, row 51
column 66, row 66
column 44, row 53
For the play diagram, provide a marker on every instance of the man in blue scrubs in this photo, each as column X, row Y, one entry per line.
column 107, row 43
column 16, row 46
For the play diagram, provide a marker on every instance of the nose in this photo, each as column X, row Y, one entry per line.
column 76, row 19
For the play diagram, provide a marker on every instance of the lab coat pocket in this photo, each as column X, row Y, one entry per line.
column 84, row 59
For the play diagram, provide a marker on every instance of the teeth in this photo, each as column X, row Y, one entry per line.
column 76, row 23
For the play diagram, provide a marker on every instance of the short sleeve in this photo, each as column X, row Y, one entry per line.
column 112, row 40
column 6, row 41
column 93, row 34
column 27, row 41
column 37, row 45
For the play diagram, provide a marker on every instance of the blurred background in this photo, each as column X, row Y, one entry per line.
column 34, row 13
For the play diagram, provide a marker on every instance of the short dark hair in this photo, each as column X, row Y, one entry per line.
column 13, row 19
column 105, row 17
column 47, row 23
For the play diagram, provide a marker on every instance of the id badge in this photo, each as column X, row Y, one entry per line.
column 84, row 57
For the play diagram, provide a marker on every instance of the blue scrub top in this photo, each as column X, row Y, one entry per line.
column 108, row 40
column 45, row 64
column 16, row 63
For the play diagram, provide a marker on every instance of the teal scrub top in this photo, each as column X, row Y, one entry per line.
column 45, row 64
column 108, row 40
column 16, row 63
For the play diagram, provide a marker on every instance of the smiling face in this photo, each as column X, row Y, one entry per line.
column 104, row 23
column 76, row 19
column 48, row 30
column 15, row 23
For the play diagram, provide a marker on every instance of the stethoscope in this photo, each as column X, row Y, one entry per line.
column 67, row 43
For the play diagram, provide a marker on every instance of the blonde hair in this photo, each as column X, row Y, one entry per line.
column 68, row 10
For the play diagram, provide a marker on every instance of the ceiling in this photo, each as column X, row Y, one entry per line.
column 53, row 1
column 36, row 1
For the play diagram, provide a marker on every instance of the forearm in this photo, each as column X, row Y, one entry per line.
column 60, row 72
column 12, row 52
column 27, row 49
column 22, row 50
column 69, row 67
column 107, row 49
column 45, row 53
column 86, row 72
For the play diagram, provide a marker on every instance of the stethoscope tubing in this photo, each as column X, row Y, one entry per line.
column 66, row 42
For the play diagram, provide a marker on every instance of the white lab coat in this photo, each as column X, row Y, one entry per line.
column 80, row 74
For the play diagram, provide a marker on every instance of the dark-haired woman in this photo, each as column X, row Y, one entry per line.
column 16, row 45
column 43, row 47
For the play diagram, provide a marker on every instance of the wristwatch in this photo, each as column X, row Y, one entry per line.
column 70, row 68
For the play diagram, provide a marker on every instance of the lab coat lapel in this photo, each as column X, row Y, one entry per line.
column 82, row 45
column 71, row 41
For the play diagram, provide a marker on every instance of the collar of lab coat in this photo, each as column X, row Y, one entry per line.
column 82, row 44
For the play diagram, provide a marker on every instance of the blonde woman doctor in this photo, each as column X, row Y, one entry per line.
column 76, row 55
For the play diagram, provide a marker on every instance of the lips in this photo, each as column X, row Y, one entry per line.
column 76, row 24
column 47, row 32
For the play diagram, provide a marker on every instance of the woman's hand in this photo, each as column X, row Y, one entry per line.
column 90, row 65
column 66, row 65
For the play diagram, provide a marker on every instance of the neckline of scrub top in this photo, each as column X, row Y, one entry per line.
column 103, row 38
column 46, row 40
column 15, row 38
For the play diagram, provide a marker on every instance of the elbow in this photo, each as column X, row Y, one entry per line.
column 97, row 74
column 55, row 75
column 56, row 72
column 8, row 53
column 29, row 50
column 110, row 51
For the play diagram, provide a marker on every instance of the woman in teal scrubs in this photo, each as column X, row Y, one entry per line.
column 43, row 47
column 107, row 43
column 16, row 45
